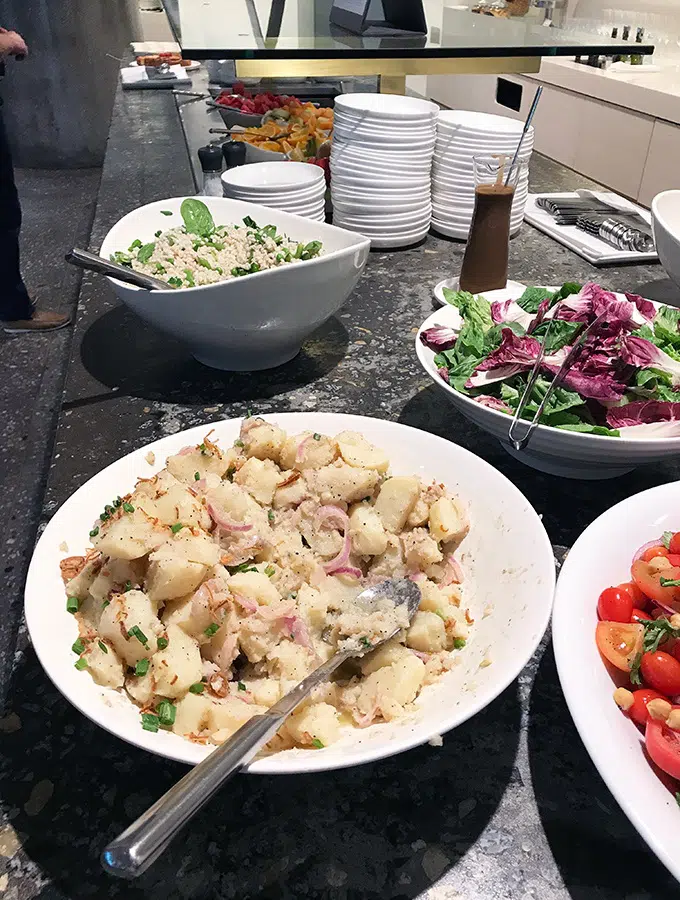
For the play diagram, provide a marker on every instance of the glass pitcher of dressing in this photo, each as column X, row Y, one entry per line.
column 485, row 264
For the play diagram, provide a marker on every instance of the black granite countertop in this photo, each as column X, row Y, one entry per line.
column 509, row 808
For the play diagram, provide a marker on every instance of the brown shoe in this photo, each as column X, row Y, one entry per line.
column 43, row 320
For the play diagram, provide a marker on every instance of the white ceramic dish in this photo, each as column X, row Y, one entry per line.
column 232, row 117
column 666, row 229
column 276, row 177
column 387, row 229
column 520, row 568
column 478, row 123
column 280, row 200
column 601, row 557
column 257, row 155
column 380, row 152
column 564, row 453
column 398, row 242
column 417, row 217
column 235, row 324
column 386, row 106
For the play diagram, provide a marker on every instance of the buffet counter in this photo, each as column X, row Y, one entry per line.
column 509, row 807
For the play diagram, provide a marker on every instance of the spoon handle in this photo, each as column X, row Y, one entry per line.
column 86, row 260
column 142, row 843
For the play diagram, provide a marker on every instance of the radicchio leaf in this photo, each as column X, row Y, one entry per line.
column 637, row 351
column 439, row 337
column 646, row 412
column 514, row 355
column 510, row 311
column 493, row 403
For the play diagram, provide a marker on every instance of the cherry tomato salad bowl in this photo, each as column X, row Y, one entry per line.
column 616, row 633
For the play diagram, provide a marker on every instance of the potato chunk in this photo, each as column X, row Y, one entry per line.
column 191, row 714
column 262, row 440
column 420, row 549
column 341, row 482
column 226, row 716
column 427, row 633
column 388, row 690
column 386, row 655
column 260, row 478
column 125, row 612
column 366, row 531
column 254, row 586
column 178, row 666
column 308, row 451
column 448, row 521
column 186, row 463
column 358, row 452
column 171, row 576
column 130, row 535
column 168, row 500
column 104, row 666
column 314, row 725
column 395, row 501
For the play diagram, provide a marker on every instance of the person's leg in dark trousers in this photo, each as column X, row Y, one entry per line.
column 14, row 300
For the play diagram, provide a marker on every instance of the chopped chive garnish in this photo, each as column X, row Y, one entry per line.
column 166, row 713
column 128, row 507
column 317, row 744
column 239, row 443
column 364, row 641
column 137, row 632
column 142, row 667
column 94, row 532
column 270, row 570
column 317, row 437
column 105, row 604
column 128, row 587
column 176, row 528
column 81, row 664
column 271, row 516
column 166, row 212
column 241, row 686
column 72, row 604
column 150, row 722
column 197, row 476
column 212, row 629
column 197, row 688
column 162, row 643
column 230, row 472
column 458, row 643
column 103, row 647
column 78, row 646
column 117, row 502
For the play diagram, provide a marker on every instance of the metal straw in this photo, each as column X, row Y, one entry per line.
column 527, row 125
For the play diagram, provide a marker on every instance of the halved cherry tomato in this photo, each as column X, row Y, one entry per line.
column 615, row 605
column 648, row 579
column 674, row 543
column 661, row 671
column 674, row 559
column 639, row 615
column 653, row 552
column 640, row 600
column 663, row 746
column 638, row 711
column 619, row 643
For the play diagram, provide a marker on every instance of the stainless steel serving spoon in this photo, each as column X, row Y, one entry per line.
column 86, row 260
column 143, row 842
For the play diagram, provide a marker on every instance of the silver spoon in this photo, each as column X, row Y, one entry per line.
column 93, row 263
column 142, row 843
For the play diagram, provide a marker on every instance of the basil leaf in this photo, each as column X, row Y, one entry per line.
column 146, row 253
column 197, row 217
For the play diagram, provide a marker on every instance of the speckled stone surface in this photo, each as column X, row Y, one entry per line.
column 510, row 808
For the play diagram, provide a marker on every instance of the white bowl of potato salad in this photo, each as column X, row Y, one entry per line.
column 187, row 587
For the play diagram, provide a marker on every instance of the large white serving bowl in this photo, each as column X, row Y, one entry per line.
column 387, row 106
column 599, row 558
column 666, row 230
column 507, row 560
column 551, row 450
column 257, row 321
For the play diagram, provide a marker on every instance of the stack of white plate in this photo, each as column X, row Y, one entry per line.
column 380, row 167
column 294, row 187
column 460, row 136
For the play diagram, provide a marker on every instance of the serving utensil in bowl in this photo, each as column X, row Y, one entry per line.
column 145, row 840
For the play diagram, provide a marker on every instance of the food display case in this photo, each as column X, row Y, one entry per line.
column 296, row 38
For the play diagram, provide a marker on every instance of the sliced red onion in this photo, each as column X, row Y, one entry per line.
column 420, row 654
column 453, row 573
column 298, row 630
column 332, row 512
column 365, row 720
column 640, row 550
column 300, row 452
column 226, row 523
column 249, row 605
column 349, row 570
column 341, row 560
column 417, row 576
column 325, row 513
column 274, row 612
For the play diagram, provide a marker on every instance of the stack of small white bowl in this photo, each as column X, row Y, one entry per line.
column 380, row 167
column 295, row 187
column 462, row 134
